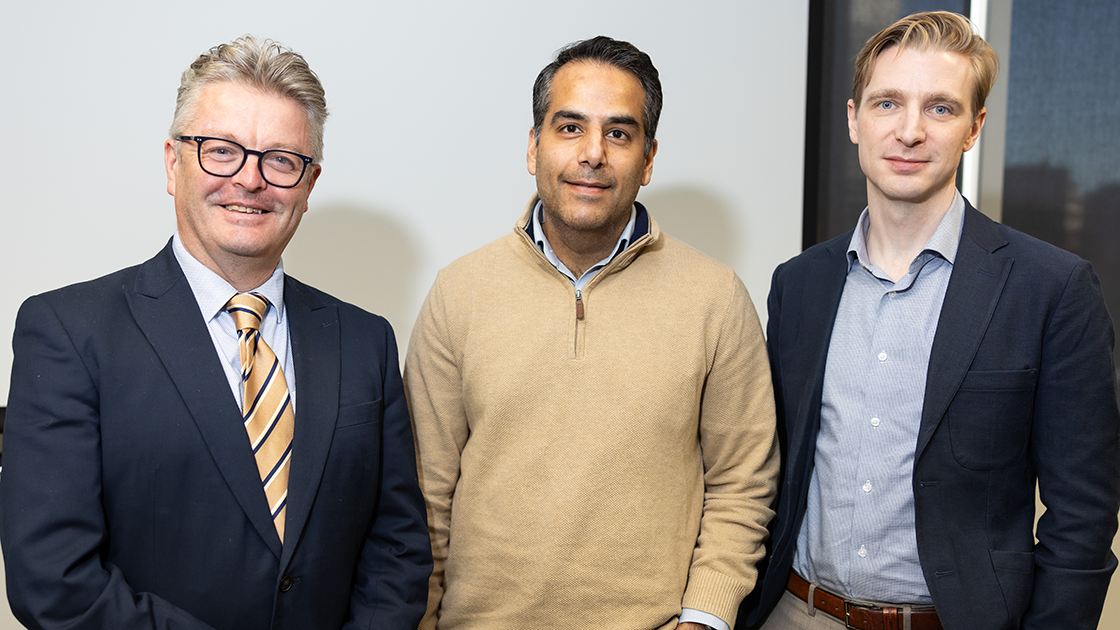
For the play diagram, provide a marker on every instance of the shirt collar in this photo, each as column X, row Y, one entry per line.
column 212, row 292
column 546, row 248
column 943, row 242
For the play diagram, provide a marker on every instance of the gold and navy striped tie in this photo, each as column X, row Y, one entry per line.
column 267, row 404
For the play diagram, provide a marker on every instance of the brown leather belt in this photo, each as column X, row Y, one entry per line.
column 862, row 616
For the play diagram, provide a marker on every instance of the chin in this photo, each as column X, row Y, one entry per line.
column 246, row 247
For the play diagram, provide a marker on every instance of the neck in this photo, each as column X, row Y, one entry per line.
column 579, row 250
column 246, row 281
column 243, row 273
column 899, row 230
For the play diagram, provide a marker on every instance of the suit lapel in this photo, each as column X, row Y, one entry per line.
column 820, row 300
column 314, row 330
column 166, row 311
column 974, row 290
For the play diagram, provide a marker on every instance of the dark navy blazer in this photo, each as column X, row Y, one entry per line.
column 1020, row 387
column 130, row 497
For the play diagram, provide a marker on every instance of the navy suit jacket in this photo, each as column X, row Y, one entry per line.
column 130, row 497
column 1020, row 387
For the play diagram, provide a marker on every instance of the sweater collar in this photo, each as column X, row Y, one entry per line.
column 643, row 222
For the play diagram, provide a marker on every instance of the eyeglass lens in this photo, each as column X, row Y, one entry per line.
column 224, row 159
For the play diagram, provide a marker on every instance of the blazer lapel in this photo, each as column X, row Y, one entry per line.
column 820, row 301
column 166, row 311
column 314, row 330
column 975, row 286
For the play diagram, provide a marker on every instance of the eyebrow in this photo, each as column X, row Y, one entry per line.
column 281, row 146
column 893, row 94
column 883, row 94
column 564, row 114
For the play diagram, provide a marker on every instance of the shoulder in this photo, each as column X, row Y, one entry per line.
column 834, row 249
column 1037, row 251
column 684, row 270
column 679, row 253
column 89, row 297
column 503, row 250
column 673, row 272
column 1035, row 260
column 496, row 259
column 298, row 294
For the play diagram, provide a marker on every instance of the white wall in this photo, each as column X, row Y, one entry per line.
column 425, row 146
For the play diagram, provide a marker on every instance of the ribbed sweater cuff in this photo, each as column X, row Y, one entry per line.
column 715, row 594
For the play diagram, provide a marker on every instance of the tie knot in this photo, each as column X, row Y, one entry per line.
column 247, row 310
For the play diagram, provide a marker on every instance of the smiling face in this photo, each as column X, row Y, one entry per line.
column 590, row 158
column 913, row 124
column 239, row 226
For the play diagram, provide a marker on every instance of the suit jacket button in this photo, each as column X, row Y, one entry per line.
column 286, row 584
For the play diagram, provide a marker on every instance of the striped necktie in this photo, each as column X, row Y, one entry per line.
column 267, row 405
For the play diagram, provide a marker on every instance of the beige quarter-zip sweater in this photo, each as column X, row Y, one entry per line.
column 603, row 463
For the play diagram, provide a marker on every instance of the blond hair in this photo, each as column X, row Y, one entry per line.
column 933, row 30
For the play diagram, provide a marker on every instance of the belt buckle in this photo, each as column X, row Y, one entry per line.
column 848, row 615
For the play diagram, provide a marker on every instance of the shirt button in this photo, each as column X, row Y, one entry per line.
column 867, row 486
column 874, row 422
column 862, row 551
column 882, row 356
column 893, row 294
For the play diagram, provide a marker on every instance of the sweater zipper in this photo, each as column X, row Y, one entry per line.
column 609, row 268
column 579, row 320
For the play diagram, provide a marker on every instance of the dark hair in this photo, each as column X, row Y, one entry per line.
column 602, row 49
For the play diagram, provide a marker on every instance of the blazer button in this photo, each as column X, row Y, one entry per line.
column 286, row 584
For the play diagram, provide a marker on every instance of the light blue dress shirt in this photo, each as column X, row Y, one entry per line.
column 857, row 538
column 546, row 248
column 212, row 293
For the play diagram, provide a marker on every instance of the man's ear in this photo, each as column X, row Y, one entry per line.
column 531, row 153
column 853, row 126
column 647, row 174
column 974, row 133
column 170, row 161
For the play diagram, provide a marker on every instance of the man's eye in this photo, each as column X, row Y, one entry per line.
column 886, row 105
column 569, row 129
column 222, row 153
column 617, row 134
column 280, row 160
column 941, row 110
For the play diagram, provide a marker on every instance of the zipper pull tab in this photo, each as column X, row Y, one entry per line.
column 579, row 304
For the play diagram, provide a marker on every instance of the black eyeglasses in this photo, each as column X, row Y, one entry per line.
column 225, row 158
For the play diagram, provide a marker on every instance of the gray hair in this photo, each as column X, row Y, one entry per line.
column 263, row 64
column 612, row 52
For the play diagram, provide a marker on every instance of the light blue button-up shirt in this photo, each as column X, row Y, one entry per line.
column 546, row 248
column 212, row 293
column 857, row 538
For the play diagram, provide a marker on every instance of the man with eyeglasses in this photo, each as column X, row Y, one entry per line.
column 202, row 442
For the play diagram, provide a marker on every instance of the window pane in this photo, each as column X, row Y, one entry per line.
column 1062, row 160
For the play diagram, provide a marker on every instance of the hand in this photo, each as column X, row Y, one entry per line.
column 691, row 626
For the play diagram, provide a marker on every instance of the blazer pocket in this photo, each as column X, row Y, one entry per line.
column 350, row 415
column 990, row 418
